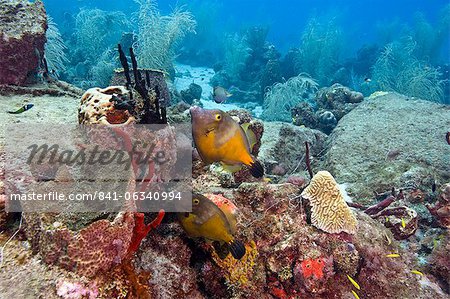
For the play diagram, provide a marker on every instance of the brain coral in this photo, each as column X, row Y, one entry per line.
column 329, row 212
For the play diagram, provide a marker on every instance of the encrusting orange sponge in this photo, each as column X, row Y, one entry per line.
column 329, row 211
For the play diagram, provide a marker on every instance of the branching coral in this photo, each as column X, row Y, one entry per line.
column 55, row 48
column 282, row 97
column 397, row 69
column 159, row 35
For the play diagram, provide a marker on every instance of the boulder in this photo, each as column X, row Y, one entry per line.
column 283, row 144
column 390, row 141
column 22, row 32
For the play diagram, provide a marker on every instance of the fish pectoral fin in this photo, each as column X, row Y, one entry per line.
column 229, row 95
column 256, row 169
column 237, row 249
column 251, row 137
column 231, row 168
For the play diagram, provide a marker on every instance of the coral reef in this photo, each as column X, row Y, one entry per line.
column 338, row 99
column 402, row 221
column 96, row 33
column 329, row 105
column 320, row 50
column 441, row 209
column 440, row 263
column 251, row 65
column 95, row 248
column 22, row 32
column 329, row 212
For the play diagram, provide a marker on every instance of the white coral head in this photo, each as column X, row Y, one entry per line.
column 329, row 211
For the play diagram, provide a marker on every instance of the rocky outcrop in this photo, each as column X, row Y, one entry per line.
column 390, row 141
column 22, row 34
column 283, row 145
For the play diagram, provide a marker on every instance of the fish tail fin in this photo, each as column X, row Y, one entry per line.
column 256, row 169
column 222, row 250
column 237, row 249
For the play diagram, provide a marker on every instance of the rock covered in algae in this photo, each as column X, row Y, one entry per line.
column 22, row 32
column 378, row 141
column 283, row 145
column 329, row 212
column 93, row 249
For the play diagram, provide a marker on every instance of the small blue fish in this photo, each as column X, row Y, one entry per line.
column 220, row 94
column 22, row 109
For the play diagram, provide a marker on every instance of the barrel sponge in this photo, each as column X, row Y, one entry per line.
column 329, row 212
column 97, row 107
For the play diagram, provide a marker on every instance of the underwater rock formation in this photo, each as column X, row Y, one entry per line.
column 382, row 133
column 194, row 92
column 331, row 104
column 22, row 32
column 95, row 248
column 283, row 145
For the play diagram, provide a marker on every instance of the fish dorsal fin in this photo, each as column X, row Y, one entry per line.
column 251, row 137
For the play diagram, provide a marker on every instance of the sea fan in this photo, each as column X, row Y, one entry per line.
column 397, row 69
column 98, row 30
column 55, row 48
column 159, row 35
column 320, row 50
column 282, row 97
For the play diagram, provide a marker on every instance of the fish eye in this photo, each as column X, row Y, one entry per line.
column 196, row 201
column 218, row 116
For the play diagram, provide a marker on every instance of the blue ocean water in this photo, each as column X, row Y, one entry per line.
column 286, row 19
column 332, row 41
